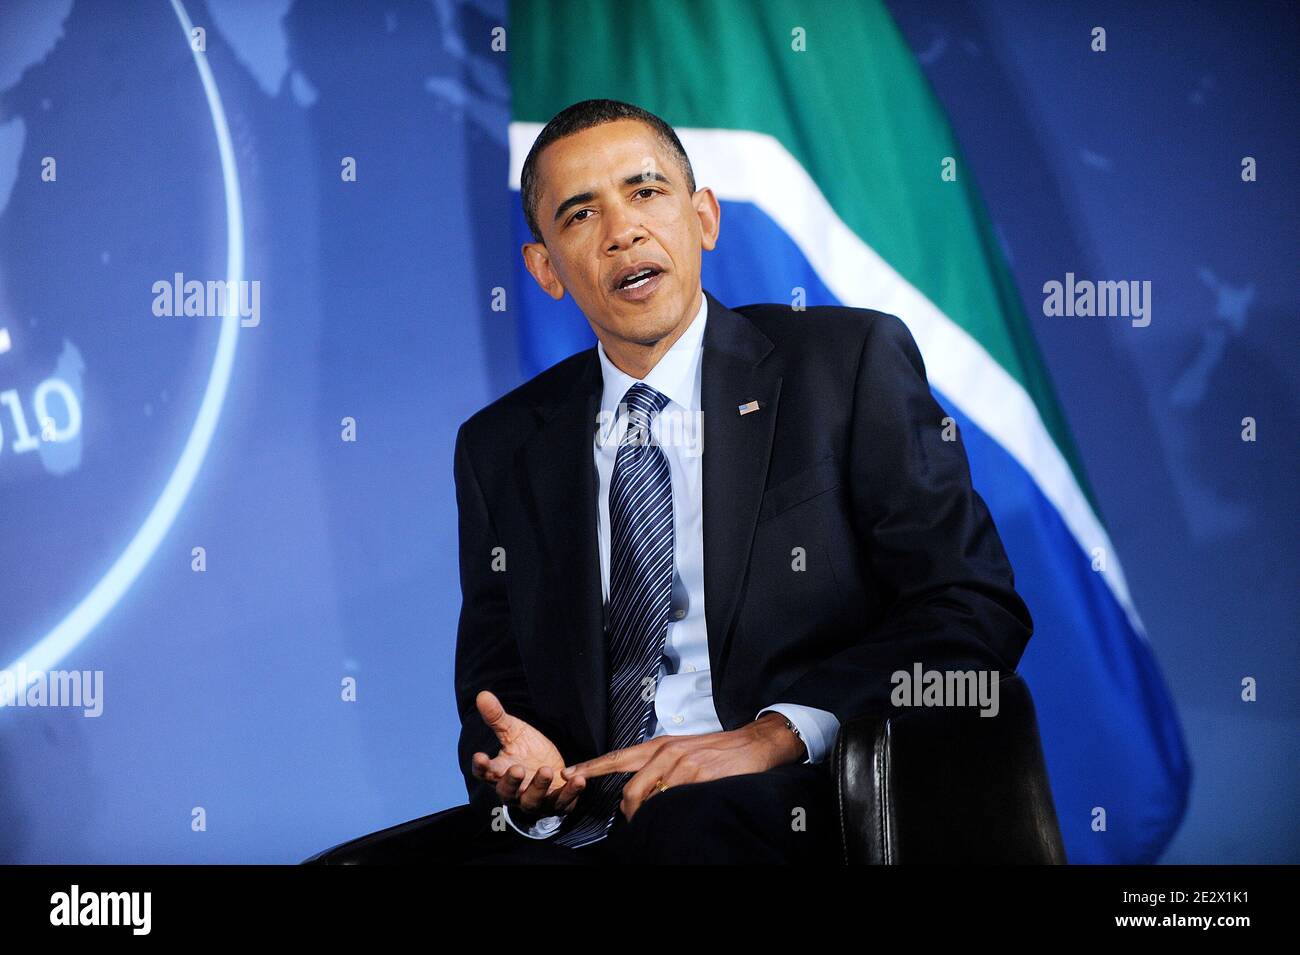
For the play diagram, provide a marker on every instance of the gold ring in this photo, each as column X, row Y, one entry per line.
column 660, row 786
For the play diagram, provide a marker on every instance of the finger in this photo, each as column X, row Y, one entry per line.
column 627, row 760
column 492, row 769
column 533, row 796
column 478, row 765
column 510, row 781
column 601, row 765
column 644, row 784
column 567, row 798
column 563, row 795
column 493, row 713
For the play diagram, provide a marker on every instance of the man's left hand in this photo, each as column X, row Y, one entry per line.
column 675, row 760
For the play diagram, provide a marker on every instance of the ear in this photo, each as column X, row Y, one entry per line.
column 710, row 213
column 538, row 262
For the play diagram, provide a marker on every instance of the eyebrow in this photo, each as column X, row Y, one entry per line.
column 632, row 180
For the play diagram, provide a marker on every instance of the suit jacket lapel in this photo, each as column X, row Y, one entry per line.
column 737, row 449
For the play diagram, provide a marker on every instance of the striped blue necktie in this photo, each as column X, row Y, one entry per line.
column 640, row 595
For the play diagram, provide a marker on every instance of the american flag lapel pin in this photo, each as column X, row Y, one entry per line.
column 748, row 407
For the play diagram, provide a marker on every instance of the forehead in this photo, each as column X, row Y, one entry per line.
column 587, row 159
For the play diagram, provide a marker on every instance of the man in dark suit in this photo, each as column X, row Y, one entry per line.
column 690, row 553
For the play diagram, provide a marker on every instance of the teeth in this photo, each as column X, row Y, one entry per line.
column 629, row 283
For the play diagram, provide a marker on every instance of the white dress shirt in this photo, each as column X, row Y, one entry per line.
column 683, row 703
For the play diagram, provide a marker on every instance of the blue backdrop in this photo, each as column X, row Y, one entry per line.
column 128, row 439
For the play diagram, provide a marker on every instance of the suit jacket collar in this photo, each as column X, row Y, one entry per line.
column 556, row 473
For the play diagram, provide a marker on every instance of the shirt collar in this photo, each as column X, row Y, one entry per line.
column 677, row 373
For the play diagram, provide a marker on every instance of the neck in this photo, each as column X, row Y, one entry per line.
column 637, row 359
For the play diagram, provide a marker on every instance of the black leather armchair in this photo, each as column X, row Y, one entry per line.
column 919, row 785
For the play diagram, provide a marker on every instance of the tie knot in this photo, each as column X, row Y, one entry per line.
column 643, row 402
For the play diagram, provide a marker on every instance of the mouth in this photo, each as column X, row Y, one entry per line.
column 638, row 282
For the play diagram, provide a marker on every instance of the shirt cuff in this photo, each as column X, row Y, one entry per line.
column 818, row 727
column 543, row 828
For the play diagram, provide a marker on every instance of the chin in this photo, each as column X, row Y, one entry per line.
column 647, row 333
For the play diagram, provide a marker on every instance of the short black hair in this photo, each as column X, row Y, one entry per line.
column 584, row 115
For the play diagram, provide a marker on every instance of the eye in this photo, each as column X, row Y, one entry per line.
column 574, row 217
column 650, row 189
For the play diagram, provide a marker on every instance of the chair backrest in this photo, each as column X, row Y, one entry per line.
column 947, row 785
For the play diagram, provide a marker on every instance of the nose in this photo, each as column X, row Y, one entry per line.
column 623, row 228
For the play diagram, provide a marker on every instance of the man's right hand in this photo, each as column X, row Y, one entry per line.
column 526, row 772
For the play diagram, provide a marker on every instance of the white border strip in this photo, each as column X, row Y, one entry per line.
column 747, row 166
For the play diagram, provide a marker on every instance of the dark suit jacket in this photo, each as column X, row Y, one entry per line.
column 845, row 459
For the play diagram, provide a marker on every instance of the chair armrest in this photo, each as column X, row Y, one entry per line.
column 947, row 785
column 426, row 840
